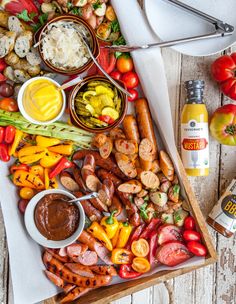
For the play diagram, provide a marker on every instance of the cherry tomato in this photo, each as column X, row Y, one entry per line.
column 3, row 65
column 130, row 80
column 6, row 90
column 22, row 204
column 107, row 119
column 10, row 134
column 124, row 63
column 2, row 134
column 116, row 75
column 2, row 77
column 4, row 156
column 189, row 223
column 26, row 193
column 134, row 94
column 140, row 248
column 197, row 248
column 9, row 104
column 190, row 235
column 141, row 265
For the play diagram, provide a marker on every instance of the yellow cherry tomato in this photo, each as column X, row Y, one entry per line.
column 141, row 265
column 27, row 193
column 140, row 248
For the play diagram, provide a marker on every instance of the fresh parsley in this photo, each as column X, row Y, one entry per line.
column 143, row 211
column 43, row 18
column 176, row 189
column 69, row 5
column 76, row 11
column 97, row 5
column 24, row 15
column 115, row 26
column 178, row 218
column 120, row 41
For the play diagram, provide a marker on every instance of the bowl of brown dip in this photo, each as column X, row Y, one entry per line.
column 52, row 221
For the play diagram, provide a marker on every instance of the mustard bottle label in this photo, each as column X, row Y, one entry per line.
column 195, row 145
column 224, row 213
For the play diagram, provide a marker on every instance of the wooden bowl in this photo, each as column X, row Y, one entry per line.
column 75, row 118
column 94, row 45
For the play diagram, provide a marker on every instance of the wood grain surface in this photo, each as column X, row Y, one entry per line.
column 215, row 284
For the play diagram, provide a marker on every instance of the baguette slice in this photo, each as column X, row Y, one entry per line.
column 12, row 58
column 15, row 25
column 9, row 73
column 33, row 57
column 21, row 75
column 23, row 43
column 7, row 42
column 4, row 19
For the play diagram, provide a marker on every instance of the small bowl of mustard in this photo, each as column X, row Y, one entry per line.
column 52, row 221
column 41, row 101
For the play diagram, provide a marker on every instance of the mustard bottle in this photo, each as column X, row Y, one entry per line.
column 194, row 131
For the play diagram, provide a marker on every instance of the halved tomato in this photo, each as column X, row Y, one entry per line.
column 169, row 233
column 173, row 253
column 140, row 248
column 141, row 265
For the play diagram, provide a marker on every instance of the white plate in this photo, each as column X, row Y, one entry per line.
column 170, row 22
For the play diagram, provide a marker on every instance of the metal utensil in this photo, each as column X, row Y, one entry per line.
column 86, row 43
column 221, row 29
column 83, row 198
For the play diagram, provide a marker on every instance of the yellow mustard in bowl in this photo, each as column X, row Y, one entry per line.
column 42, row 100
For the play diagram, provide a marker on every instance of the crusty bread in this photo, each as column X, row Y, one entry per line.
column 11, row 58
column 21, row 75
column 15, row 25
column 4, row 19
column 23, row 43
column 9, row 73
column 33, row 57
column 7, row 42
column 23, row 64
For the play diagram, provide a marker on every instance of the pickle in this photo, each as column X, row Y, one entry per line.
column 98, row 122
column 84, row 121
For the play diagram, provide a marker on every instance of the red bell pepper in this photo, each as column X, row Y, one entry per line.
column 2, row 134
column 126, row 272
column 10, row 134
column 19, row 167
column 153, row 247
column 106, row 118
column 135, row 235
column 4, row 156
column 17, row 6
column 106, row 59
column 152, row 226
column 64, row 163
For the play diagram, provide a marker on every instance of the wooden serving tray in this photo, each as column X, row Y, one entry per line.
column 107, row 294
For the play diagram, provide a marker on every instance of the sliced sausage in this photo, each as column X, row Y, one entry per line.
column 78, row 179
column 79, row 269
column 126, row 165
column 99, row 140
column 133, row 186
column 88, row 258
column 90, row 179
column 149, row 180
column 126, row 146
column 55, row 279
column 144, row 121
column 68, row 182
column 146, row 150
column 117, row 133
column 166, row 165
column 145, row 165
column 116, row 205
column 105, row 270
column 106, row 192
column 68, row 287
column 55, row 253
column 131, row 128
column 107, row 164
column 106, row 149
column 155, row 166
column 92, row 213
column 74, row 294
column 142, row 193
column 75, row 250
column 102, row 174
column 98, row 204
column 62, row 252
column 89, row 163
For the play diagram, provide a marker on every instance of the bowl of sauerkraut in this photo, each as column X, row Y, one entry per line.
column 61, row 45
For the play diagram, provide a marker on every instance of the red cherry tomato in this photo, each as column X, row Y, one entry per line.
column 189, row 223
column 130, row 80
column 2, row 134
column 125, row 63
column 22, row 204
column 3, row 65
column 8, row 104
column 10, row 134
column 197, row 248
column 4, row 156
column 190, row 235
column 116, row 75
column 134, row 94
column 106, row 118
column 2, row 77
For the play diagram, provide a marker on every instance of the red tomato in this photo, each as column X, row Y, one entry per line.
column 125, row 63
column 169, row 232
column 116, row 75
column 22, row 204
column 197, row 248
column 4, row 156
column 190, row 235
column 130, row 80
column 10, row 134
column 2, row 77
column 134, row 94
column 9, row 104
column 106, row 118
column 189, row 223
column 2, row 134
column 3, row 64
column 106, row 59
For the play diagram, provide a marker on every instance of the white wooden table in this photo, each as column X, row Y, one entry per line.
column 211, row 285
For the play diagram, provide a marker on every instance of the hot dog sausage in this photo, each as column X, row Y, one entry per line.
column 102, row 174
column 107, row 164
column 144, row 120
column 131, row 128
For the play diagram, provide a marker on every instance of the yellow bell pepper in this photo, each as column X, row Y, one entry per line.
column 49, row 183
column 43, row 141
column 32, row 154
column 50, row 159
column 110, row 224
column 23, row 178
column 116, row 236
column 98, row 232
column 18, row 136
column 125, row 230
column 38, row 171
column 64, row 149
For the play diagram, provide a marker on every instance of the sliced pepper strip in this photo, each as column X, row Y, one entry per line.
column 18, row 136
column 126, row 272
column 64, row 163
column 64, row 149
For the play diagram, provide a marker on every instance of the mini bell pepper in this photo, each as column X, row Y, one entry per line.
column 64, row 163
column 32, row 154
column 50, row 159
column 46, row 142
column 38, row 171
column 49, row 183
column 4, row 156
column 2, row 134
column 19, row 167
column 126, row 272
column 110, row 224
column 10, row 132
column 18, row 136
column 98, row 232
column 23, row 178
column 116, row 236
column 155, row 222
column 124, row 234
column 121, row 256
column 64, row 149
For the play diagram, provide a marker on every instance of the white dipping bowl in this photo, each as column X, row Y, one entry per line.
column 26, row 115
column 33, row 230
